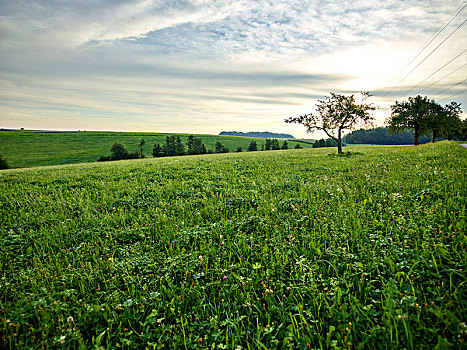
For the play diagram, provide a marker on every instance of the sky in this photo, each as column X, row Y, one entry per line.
column 204, row 67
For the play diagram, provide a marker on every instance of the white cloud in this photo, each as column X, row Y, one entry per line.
column 248, row 62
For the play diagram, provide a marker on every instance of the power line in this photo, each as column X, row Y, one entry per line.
column 458, row 93
column 455, row 70
column 406, row 93
column 449, row 88
column 432, row 51
column 428, row 42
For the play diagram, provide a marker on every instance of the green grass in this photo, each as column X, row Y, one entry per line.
column 28, row 148
column 264, row 250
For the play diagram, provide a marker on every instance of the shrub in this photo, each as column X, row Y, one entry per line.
column 104, row 159
column 3, row 163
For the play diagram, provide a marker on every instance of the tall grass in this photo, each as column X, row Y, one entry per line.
column 282, row 249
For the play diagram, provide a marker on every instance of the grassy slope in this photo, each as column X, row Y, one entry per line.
column 265, row 249
column 37, row 148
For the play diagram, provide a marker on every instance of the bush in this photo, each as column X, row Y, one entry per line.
column 3, row 163
column 104, row 159
column 118, row 152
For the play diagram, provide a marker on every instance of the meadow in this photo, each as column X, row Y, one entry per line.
column 298, row 249
column 31, row 148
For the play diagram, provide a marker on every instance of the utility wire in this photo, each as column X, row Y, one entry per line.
column 407, row 92
column 458, row 93
column 449, row 88
column 429, row 86
column 429, row 41
column 432, row 51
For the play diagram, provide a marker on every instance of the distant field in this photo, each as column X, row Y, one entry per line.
column 37, row 148
column 297, row 249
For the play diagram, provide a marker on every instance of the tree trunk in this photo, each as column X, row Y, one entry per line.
column 435, row 134
column 339, row 142
column 416, row 136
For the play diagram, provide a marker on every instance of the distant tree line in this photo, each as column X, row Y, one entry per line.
column 118, row 152
column 173, row 146
column 261, row 134
column 325, row 143
column 380, row 136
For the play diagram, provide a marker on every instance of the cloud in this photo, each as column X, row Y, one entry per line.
column 158, row 61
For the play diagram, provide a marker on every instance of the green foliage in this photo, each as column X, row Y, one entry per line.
column 220, row 148
column 195, row 146
column 380, row 136
column 447, row 123
column 173, row 146
column 285, row 145
column 37, row 148
column 268, row 250
column 325, row 143
column 239, row 149
column 3, row 163
column 417, row 114
column 336, row 114
column 118, row 152
column 275, row 144
column 157, row 151
column 253, row 146
column 272, row 144
column 297, row 146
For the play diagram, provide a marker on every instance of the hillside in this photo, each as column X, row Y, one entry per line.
column 250, row 250
column 37, row 148
column 262, row 134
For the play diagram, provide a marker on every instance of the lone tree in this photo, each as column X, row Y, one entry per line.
column 3, row 163
column 140, row 149
column 417, row 114
column 335, row 114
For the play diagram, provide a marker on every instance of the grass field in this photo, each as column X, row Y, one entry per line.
column 28, row 148
column 264, row 250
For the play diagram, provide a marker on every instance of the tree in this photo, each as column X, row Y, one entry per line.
column 297, row 146
column 195, row 145
column 268, row 144
column 336, row 114
column 275, row 144
column 173, row 146
column 118, row 152
column 285, row 145
column 140, row 148
column 220, row 148
column 462, row 132
column 451, row 121
column 157, row 151
column 417, row 114
column 239, row 149
column 253, row 146
column 3, row 163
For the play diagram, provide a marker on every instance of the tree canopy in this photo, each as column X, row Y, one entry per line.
column 424, row 116
column 335, row 114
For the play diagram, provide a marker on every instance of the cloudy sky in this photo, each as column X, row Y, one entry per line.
column 199, row 66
